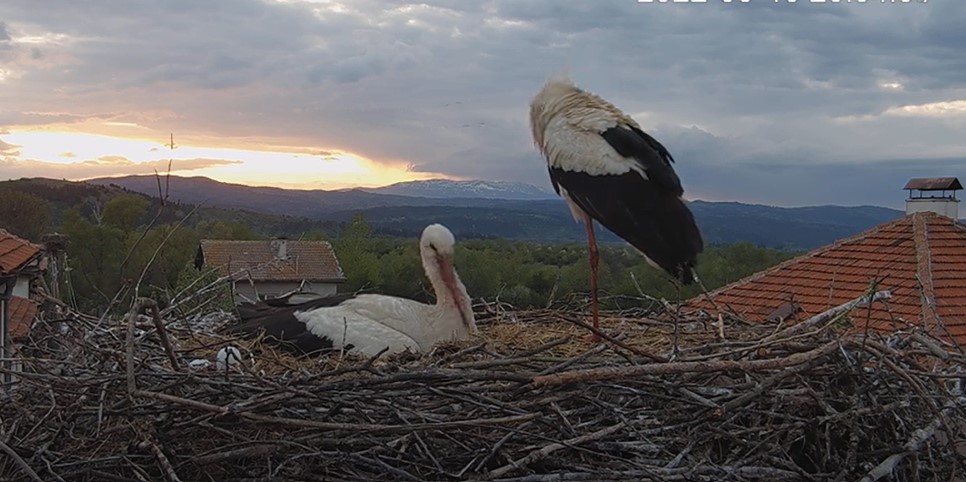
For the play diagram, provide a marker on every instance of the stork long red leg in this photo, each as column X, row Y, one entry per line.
column 594, row 263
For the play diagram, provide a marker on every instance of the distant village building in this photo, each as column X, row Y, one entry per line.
column 267, row 269
column 21, row 264
column 937, row 195
column 920, row 258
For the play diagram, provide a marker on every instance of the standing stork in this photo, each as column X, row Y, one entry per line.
column 371, row 323
column 608, row 169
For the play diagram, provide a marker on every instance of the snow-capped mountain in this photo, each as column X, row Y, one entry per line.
column 444, row 188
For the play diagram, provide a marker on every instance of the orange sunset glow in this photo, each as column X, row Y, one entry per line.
column 83, row 155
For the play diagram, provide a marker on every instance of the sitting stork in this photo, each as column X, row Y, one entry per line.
column 371, row 323
column 608, row 169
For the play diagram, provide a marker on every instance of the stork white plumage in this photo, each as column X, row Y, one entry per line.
column 370, row 323
column 608, row 169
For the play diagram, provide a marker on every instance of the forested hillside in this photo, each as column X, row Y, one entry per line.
column 122, row 242
column 538, row 219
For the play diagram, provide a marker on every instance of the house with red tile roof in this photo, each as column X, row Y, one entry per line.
column 20, row 263
column 920, row 258
column 267, row 269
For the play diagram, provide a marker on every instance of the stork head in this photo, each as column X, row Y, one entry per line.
column 436, row 248
column 547, row 102
column 437, row 239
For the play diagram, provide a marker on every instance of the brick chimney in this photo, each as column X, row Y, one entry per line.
column 935, row 194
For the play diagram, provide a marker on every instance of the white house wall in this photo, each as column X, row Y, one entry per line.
column 946, row 207
column 22, row 288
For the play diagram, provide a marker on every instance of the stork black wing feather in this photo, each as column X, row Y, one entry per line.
column 649, row 217
column 275, row 319
column 295, row 302
column 650, row 154
column 553, row 180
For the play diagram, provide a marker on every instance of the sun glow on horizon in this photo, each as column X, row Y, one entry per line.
column 45, row 152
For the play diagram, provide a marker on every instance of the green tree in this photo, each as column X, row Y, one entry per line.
column 94, row 255
column 189, row 284
column 480, row 271
column 315, row 235
column 156, row 259
column 23, row 214
column 402, row 273
column 109, row 255
column 355, row 250
column 124, row 211
column 357, row 229
column 518, row 295
column 225, row 230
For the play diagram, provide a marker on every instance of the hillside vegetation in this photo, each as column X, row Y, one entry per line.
column 122, row 242
column 539, row 220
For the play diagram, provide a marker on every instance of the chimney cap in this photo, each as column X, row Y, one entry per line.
column 934, row 184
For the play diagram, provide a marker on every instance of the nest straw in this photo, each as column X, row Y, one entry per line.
column 529, row 400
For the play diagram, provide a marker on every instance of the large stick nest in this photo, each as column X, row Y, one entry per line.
column 530, row 400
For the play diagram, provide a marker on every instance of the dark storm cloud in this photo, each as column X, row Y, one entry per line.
column 745, row 95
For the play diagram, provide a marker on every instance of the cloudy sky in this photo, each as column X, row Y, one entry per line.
column 777, row 102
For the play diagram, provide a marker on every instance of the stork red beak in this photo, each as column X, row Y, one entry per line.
column 448, row 272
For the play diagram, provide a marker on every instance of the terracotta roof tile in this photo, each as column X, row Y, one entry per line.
column 15, row 252
column 313, row 261
column 21, row 312
column 916, row 257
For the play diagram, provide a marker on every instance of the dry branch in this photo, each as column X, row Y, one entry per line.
column 163, row 334
column 750, row 366
column 19, row 461
column 549, row 449
column 919, row 437
column 529, row 401
column 163, row 461
column 830, row 314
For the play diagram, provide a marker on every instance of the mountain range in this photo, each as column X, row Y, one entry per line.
column 507, row 210
column 445, row 188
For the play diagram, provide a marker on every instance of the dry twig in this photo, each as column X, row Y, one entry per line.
column 530, row 403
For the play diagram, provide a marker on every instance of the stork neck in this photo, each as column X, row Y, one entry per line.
column 432, row 271
column 451, row 296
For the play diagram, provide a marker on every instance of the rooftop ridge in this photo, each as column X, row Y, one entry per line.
column 811, row 254
column 927, row 292
column 930, row 309
column 263, row 241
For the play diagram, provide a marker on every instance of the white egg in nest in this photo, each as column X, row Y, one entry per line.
column 227, row 357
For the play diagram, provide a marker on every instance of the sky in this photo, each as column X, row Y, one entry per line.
column 764, row 101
